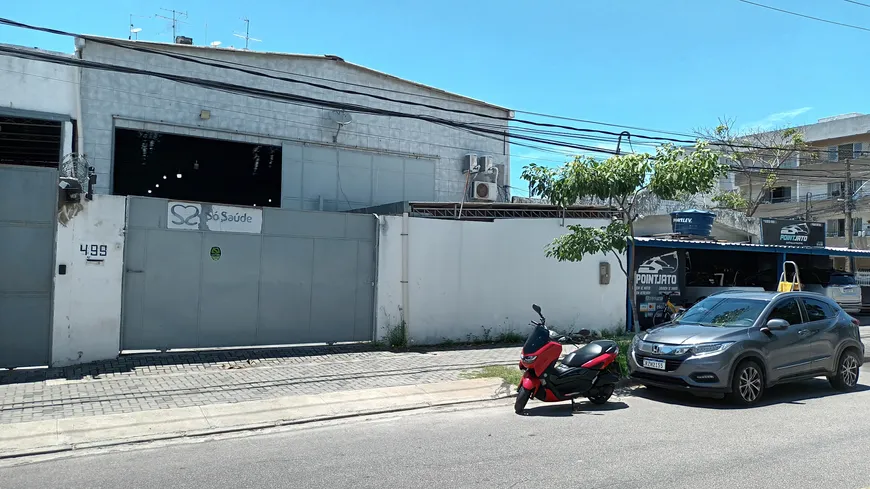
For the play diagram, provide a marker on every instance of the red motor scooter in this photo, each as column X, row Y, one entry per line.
column 588, row 371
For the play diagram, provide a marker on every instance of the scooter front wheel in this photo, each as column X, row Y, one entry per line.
column 602, row 396
column 523, row 396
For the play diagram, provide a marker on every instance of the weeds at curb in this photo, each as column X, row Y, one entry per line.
column 510, row 374
column 396, row 336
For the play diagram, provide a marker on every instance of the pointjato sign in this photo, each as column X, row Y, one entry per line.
column 792, row 233
column 658, row 271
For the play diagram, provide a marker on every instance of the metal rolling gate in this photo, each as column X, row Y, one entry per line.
column 202, row 276
column 28, row 222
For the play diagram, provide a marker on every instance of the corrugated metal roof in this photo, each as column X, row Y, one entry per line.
column 752, row 247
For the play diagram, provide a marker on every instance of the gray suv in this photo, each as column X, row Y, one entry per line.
column 740, row 343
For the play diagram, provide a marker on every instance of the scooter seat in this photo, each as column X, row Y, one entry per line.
column 582, row 355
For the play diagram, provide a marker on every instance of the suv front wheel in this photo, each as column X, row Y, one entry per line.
column 747, row 384
column 848, row 368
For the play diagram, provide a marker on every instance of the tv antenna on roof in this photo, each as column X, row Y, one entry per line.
column 175, row 19
column 213, row 44
column 247, row 37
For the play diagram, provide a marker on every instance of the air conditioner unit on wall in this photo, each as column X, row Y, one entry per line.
column 485, row 191
column 471, row 164
column 485, row 163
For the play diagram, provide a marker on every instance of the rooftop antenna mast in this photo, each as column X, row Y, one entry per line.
column 134, row 31
column 175, row 19
column 247, row 36
column 213, row 44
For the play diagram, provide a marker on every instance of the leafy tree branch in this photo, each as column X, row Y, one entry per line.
column 668, row 174
column 756, row 157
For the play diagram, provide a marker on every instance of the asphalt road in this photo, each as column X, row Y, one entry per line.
column 806, row 436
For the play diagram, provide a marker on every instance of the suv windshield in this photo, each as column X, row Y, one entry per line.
column 726, row 312
column 842, row 279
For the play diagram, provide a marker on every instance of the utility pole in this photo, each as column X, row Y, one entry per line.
column 175, row 19
column 847, row 194
column 808, row 199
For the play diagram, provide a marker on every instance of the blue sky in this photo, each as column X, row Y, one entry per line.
column 673, row 65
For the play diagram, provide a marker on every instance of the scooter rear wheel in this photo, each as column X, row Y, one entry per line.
column 523, row 396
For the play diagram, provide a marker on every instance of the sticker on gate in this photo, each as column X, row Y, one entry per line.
column 215, row 253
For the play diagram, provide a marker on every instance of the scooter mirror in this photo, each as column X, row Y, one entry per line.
column 536, row 308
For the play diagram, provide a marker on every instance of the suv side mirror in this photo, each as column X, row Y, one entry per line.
column 774, row 325
column 777, row 324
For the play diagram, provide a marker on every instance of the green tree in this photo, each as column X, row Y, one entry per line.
column 758, row 158
column 625, row 180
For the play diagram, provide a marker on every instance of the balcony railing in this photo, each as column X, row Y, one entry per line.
column 814, row 197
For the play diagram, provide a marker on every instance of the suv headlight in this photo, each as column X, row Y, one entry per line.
column 636, row 342
column 705, row 349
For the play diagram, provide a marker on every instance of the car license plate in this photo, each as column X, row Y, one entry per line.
column 654, row 363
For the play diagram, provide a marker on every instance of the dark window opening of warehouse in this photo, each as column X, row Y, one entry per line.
column 30, row 142
column 170, row 166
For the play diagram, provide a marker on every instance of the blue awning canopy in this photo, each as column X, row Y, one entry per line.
column 749, row 247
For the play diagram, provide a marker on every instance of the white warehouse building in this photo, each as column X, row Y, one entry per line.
column 214, row 216
column 314, row 158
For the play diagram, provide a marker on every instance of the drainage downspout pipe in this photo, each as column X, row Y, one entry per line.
column 80, row 130
column 406, row 222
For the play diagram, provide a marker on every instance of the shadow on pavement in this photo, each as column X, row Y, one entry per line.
column 228, row 359
column 564, row 410
column 796, row 393
column 234, row 358
column 458, row 347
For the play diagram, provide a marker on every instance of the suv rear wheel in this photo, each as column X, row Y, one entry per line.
column 747, row 384
column 848, row 368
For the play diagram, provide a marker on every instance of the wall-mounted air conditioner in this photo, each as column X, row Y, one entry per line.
column 471, row 164
column 485, row 163
column 485, row 191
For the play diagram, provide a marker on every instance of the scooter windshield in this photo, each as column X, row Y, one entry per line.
column 540, row 336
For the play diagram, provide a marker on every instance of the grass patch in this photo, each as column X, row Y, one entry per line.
column 510, row 374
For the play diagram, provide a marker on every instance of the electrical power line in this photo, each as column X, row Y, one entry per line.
column 270, row 94
column 306, row 101
column 819, row 19
column 354, row 92
column 303, row 123
column 858, row 3
column 299, row 100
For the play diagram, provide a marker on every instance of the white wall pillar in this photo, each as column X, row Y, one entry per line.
column 87, row 297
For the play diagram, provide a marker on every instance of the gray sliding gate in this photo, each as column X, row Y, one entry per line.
column 201, row 276
column 28, row 217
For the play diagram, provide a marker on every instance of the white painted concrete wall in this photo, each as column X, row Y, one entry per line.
column 468, row 277
column 37, row 86
column 87, row 299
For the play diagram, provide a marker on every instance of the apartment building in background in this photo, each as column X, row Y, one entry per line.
column 812, row 184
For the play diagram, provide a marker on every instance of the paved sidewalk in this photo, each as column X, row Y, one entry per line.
column 147, row 382
column 51, row 436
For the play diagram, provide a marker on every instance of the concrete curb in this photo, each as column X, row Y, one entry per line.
column 93, row 432
column 66, row 435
